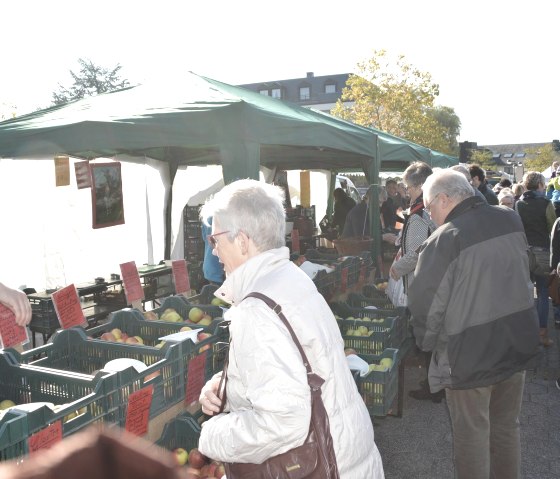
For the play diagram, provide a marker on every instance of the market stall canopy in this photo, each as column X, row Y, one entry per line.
column 192, row 120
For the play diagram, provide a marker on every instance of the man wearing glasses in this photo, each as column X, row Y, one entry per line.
column 472, row 306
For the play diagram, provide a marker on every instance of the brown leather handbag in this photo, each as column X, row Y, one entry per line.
column 315, row 458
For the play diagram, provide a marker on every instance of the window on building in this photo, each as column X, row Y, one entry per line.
column 331, row 88
column 520, row 155
column 496, row 156
column 263, row 92
column 276, row 93
column 508, row 155
column 304, row 93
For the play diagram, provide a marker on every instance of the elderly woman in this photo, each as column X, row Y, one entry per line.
column 417, row 227
column 538, row 216
column 506, row 198
column 267, row 410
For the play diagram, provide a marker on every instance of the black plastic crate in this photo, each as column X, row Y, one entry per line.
column 182, row 431
column 193, row 229
column 191, row 213
column 194, row 248
column 44, row 319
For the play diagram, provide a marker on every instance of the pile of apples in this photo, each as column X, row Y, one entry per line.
column 382, row 286
column 196, row 316
column 118, row 336
column 198, row 466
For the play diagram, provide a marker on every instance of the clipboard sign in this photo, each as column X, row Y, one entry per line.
column 132, row 286
column 11, row 333
column 180, row 276
column 138, row 411
column 45, row 438
column 68, row 308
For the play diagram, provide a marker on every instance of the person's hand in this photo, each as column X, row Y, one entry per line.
column 16, row 301
column 209, row 399
column 393, row 273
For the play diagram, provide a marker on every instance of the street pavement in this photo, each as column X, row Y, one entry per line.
column 419, row 444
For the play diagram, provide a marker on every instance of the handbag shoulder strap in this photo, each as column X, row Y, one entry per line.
column 313, row 380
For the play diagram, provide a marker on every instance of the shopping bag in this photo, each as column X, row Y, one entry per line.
column 395, row 292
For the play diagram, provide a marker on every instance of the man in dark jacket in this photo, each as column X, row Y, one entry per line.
column 472, row 306
column 478, row 176
column 342, row 206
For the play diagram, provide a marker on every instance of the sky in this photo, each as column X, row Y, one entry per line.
column 496, row 62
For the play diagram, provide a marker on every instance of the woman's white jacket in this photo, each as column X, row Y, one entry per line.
column 268, row 399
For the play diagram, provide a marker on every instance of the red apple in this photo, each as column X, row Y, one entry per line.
column 108, row 337
column 196, row 458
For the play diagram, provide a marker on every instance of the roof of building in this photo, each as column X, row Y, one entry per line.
column 322, row 89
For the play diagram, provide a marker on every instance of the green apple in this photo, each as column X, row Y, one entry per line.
column 6, row 403
column 206, row 320
column 195, row 314
column 386, row 362
column 181, row 456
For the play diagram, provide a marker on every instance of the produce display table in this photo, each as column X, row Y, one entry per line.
column 98, row 299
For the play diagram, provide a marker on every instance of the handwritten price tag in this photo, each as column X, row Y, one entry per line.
column 138, row 411
column 295, row 241
column 195, row 378
column 131, row 279
column 45, row 438
column 67, row 306
column 11, row 334
column 180, row 276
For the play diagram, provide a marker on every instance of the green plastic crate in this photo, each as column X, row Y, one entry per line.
column 183, row 431
column 96, row 397
column 182, row 306
column 382, row 330
column 357, row 300
column 379, row 388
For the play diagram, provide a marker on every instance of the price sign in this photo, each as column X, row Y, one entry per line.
column 180, row 276
column 62, row 170
column 67, row 306
column 295, row 241
column 344, row 279
column 11, row 334
column 362, row 277
column 138, row 411
column 131, row 280
column 195, row 378
column 45, row 438
column 83, row 174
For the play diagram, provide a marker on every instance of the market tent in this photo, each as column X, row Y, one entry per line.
column 191, row 121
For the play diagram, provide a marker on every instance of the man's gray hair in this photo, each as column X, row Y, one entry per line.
column 449, row 182
column 250, row 206
column 463, row 169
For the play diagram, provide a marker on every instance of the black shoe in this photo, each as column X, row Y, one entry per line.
column 425, row 394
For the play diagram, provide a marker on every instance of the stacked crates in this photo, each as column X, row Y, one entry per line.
column 194, row 245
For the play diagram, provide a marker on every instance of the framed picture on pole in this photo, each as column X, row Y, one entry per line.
column 106, row 194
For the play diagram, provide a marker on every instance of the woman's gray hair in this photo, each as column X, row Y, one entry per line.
column 250, row 206
column 416, row 173
column 532, row 180
column 449, row 182
column 504, row 193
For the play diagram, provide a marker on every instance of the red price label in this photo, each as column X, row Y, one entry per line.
column 180, row 276
column 195, row 378
column 11, row 333
column 45, row 438
column 295, row 241
column 344, row 279
column 138, row 411
column 67, row 306
column 362, row 277
column 131, row 279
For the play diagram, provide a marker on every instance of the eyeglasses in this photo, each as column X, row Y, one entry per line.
column 212, row 238
column 427, row 207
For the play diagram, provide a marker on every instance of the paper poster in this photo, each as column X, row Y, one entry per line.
column 62, row 170
column 180, row 276
column 195, row 377
column 295, row 241
column 68, row 308
column 83, row 174
column 45, row 438
column 106, row 194
column 305, row 188
column 131, row 280
column 11, row 333
column 138, row 411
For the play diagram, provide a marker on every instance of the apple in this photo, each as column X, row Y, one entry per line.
column 131, row 340
column 181, row 456
column 186, row 328
column 206, row 320
column 117, row 333
column 197, row 459
column 160, row 345
column 124, row 336
column 150, row 315
column 139, row 339
column 108, row 337
column 387, row 362
column 6, row 403
column 192, row 473
column 195, row 314
column 171, row 316
column 349, row 351
column 201, row 337
column 366, row 318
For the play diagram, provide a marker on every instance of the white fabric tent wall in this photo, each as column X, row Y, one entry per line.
column 47, row 236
